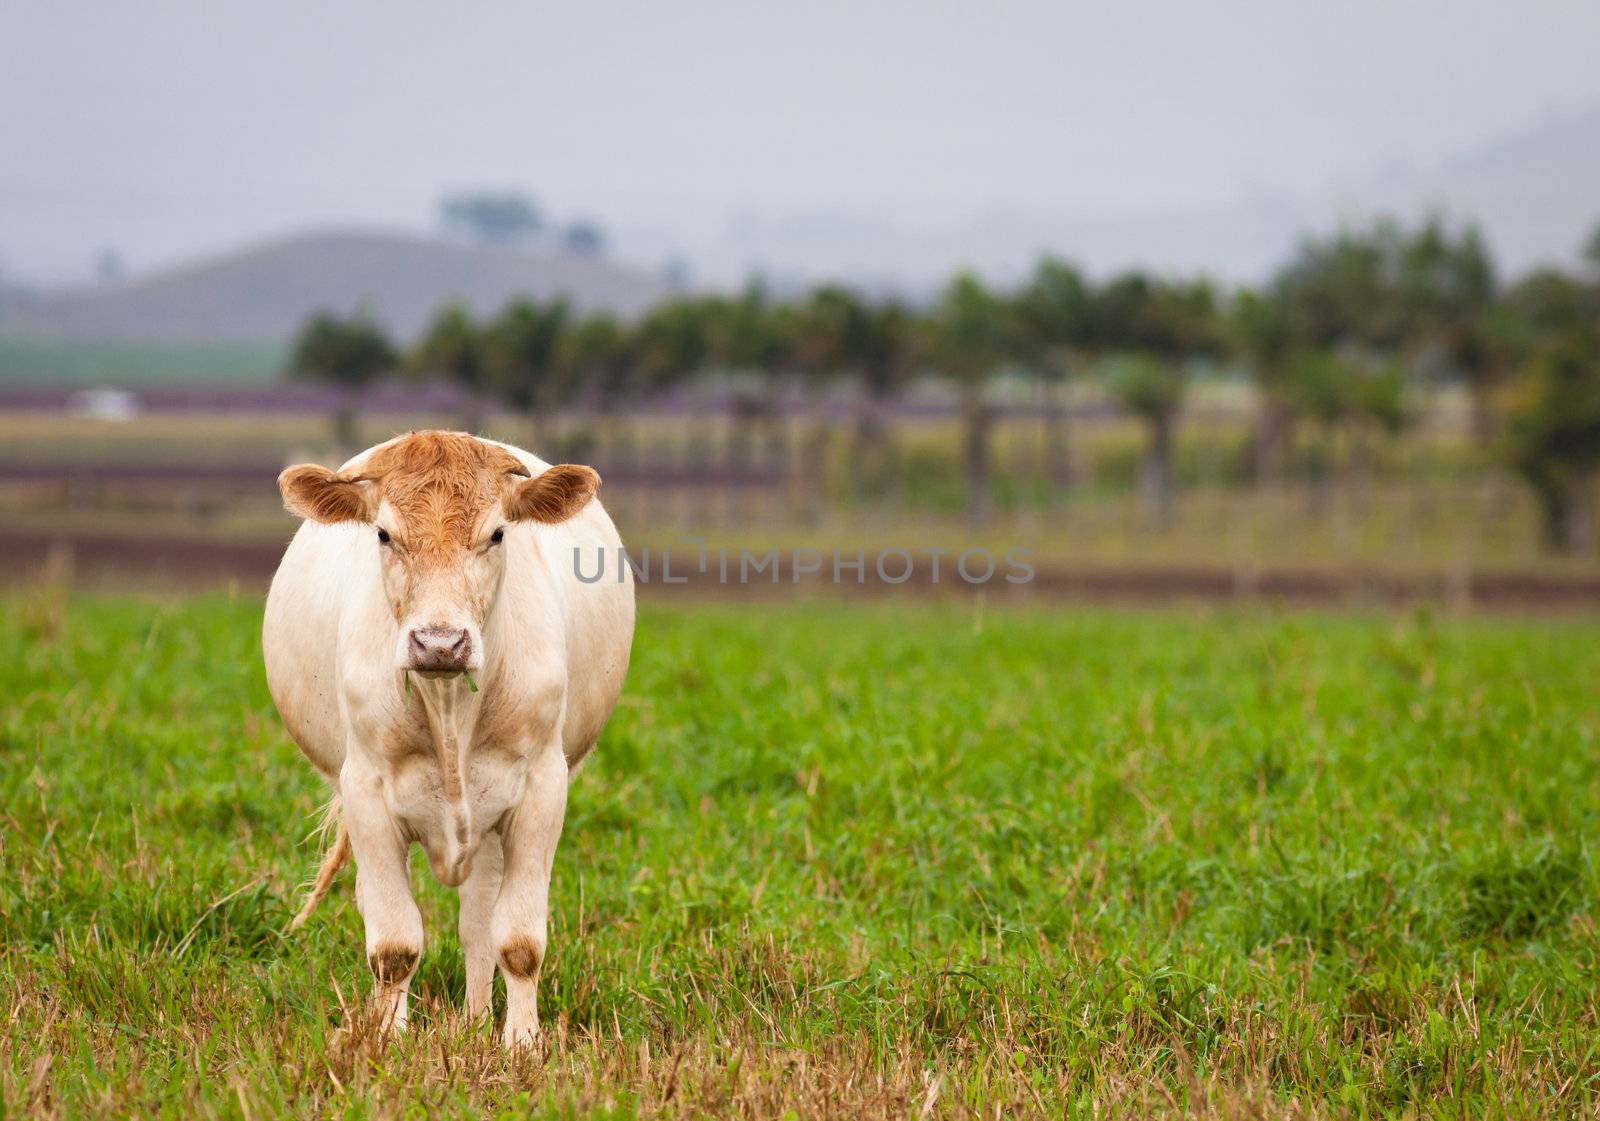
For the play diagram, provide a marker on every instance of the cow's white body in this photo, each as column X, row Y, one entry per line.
column 555, row 656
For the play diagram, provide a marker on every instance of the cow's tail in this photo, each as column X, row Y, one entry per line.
column 337, row 856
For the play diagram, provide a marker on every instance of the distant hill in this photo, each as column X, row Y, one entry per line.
column 1535, row 191
column 261, row 295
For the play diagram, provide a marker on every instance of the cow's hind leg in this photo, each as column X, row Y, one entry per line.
column 521, row 914
column 478, row 894
column 383, row 895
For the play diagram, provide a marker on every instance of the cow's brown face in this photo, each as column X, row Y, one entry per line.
column 439, row 505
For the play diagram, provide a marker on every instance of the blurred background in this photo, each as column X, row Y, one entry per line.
column 1246, row 299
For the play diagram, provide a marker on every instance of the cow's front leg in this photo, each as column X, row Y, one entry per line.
column 522, row 911
column 478, row 896
column 383, row 895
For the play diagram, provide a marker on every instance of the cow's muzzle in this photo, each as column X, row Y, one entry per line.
column 439, row 648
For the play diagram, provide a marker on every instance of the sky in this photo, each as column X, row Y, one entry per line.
column 723, row 132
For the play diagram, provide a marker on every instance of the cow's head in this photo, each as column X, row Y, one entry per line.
column 439, row 505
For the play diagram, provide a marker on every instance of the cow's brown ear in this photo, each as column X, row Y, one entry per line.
column 315, row 492
column 554, row 495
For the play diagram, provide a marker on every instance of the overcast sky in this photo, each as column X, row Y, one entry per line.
column 171, row 129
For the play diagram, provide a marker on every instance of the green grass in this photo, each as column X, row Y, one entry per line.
column 842, row 860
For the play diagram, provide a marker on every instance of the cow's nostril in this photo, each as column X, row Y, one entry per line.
column 439, row 647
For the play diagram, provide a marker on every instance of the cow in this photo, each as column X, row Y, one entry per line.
column 434, row 655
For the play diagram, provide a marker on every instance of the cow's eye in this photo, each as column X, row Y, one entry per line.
column 383, row 536
column 497, row 536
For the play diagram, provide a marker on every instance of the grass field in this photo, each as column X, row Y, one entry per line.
column 850, row 862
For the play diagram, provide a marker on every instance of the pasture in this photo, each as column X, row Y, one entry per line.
column 1430, row 505
column 834, row 860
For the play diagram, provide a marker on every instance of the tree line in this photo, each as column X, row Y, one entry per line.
column 1342, row 341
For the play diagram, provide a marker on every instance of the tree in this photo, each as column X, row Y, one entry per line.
column 840, row 333
column 1262, row 331
column 1546, row 303
column 1153, row 391
column 599, row 355
column 347, row 353
column 1591, row 251
column 818, row 334
column 882, row 353
column 1424, row 297
column 830, row 325
column 1054, row 315
column 971, row 333
column 520, row 358
column 597, row 358
column 1445, row 290
column 452, row 347
column 584, row 239
column 1552, row 436
column 1345, row 396
column 1341, row 291
column 1160, row 327
column 673, row 342
column 490, row 218
column 744, row 338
